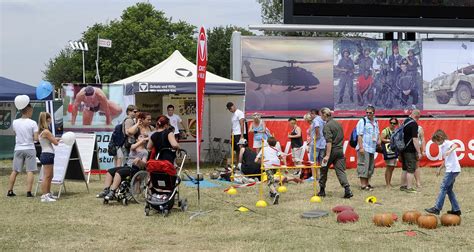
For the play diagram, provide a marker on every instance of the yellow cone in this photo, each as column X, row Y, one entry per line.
column 315, row 199
column 243, row 209
column 282, row 189
column 371, row 199
column 261, row 203
column 264, row 177
column 232, row 191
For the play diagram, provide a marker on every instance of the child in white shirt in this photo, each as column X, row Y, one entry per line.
column 453, row 169
column 271, row 158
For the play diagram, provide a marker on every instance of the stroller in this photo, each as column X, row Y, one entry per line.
column 162, row 190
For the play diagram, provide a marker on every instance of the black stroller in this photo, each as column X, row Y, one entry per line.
column 162, row 190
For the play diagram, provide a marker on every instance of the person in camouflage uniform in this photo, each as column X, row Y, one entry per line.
column 346, row 66
column 365, row 79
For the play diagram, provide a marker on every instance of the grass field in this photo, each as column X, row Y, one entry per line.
column 79, row 221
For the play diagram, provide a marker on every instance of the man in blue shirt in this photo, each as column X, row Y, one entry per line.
column 368, row 138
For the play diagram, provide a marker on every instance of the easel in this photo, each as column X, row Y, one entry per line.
column 67, row 165
column 87, row 145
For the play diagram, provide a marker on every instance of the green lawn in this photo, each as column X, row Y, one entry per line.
column 79, row 221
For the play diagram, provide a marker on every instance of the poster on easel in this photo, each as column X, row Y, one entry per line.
column 67, row 165
column 87, row 146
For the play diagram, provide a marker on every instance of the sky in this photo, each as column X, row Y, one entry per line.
column 33, row 31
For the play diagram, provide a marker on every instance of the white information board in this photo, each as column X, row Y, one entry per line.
column 86, row 144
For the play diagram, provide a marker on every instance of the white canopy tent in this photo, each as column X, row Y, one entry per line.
column 175, row 79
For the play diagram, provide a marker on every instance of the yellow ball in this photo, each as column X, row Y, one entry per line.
column 371, row 199
column 282, row 189
column 261, row 203
column 315, row 199
column 232, row 191
column 243, row 209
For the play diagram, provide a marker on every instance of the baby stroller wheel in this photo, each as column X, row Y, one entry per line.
column 147, row 211
column 124, row 201
column 138, row 186
column 183, row 205
column 165, row 212
column 105, row 201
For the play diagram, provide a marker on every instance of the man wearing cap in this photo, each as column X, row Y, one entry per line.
column 346, row 66
column 238, row 124
column 394, row 61
column 365, row 79
column 407, row 85
column 94, row 100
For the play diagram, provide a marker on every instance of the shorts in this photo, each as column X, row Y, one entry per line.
column 297, row 154
column 47, row 158
column 391, row 162
column 236, row 140
column 24, row 157
column 409, row 161
column 365, row 164
column 124, row 171
column 177, row 136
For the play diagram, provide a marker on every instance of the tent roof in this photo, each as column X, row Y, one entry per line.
column 9, row 89
column 176, row 69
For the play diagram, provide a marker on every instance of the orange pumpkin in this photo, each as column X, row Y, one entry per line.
column 450, row 220
column 383, row 220
column 427, row 221
column 411, row 217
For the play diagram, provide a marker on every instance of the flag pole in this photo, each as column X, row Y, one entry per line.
column 97, row 76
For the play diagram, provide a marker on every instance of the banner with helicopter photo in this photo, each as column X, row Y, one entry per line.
column 385, row 74
column 287, row 76
column 448, row 77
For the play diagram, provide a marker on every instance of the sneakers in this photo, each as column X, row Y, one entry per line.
column 110, row 195
column 47, row 198
column 10, row 193
column 322, row 192
column 432, row 210
column 458, row 213
column 276, row 198
column 29, row 194
column 411, row 190
column 103, row 193
column 367, row 188
column 52, row 196
column 403, row 188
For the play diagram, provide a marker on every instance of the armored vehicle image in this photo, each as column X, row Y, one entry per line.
column 458, row 84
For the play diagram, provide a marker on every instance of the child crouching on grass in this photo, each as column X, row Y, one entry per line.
column 271, row 158
column 451, row 163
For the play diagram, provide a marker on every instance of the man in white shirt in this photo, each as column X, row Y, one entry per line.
column 26, row 133
column 174, row 120
column 239, row 130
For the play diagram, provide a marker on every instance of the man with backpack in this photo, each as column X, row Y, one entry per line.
column 411, row 153
column 367, row 140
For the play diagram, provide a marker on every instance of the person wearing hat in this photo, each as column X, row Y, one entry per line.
column 247, row 157
column 413, row 62
column 346, row 66
column 94, row 100
column 381, row 74
column 365, row 79
column 407, row 85
column 394, row 61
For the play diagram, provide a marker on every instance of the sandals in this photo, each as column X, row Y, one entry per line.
column 367, row 188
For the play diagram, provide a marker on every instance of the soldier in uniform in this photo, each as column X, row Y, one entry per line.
column 394, row 62
column 381, row 74
column 406, row 83
column 346, row 66
column 365, row 79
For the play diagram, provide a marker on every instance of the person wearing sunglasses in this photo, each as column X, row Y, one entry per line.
column 389, row 156
column 368, row 138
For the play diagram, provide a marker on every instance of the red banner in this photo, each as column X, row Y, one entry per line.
column 200, row 86
column 458, row 130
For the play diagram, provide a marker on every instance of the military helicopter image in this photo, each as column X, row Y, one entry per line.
column 293, row 77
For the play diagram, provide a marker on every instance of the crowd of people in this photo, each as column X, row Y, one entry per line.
column 327, row 136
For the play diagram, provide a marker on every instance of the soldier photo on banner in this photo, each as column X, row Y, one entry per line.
column 385, row 74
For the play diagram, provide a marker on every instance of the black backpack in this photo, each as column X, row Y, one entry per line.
column 397, row 140
column 117, row 139
column 353, row 140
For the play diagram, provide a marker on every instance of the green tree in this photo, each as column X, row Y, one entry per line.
column 218, row 42
column 141, row 38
